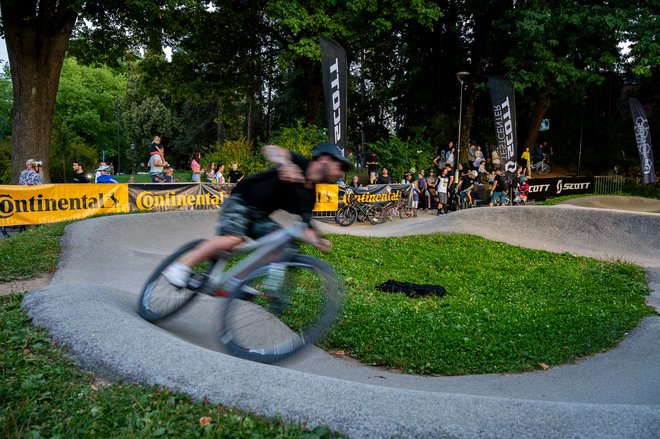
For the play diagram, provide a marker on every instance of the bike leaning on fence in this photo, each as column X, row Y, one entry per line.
column 278, row 300
column 542, row 167
column 347, row 214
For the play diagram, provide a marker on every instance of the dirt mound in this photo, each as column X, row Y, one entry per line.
column 635, row 204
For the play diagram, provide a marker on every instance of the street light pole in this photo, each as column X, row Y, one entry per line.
column 118, row 149
column 460, row 76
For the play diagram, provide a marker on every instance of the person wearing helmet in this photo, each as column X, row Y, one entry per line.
column 104, row 175
column 289, row 186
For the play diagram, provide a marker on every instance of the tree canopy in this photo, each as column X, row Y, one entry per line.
column 248, row 69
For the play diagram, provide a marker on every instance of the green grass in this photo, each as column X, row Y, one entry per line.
column 508, row 309
column 31, row 253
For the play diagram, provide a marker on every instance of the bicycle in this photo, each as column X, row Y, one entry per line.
column 277, row 299
column 542, row 167
column 347, row 214
column 398, row 208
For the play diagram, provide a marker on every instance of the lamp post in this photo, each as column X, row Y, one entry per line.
column 118, row 148
column 460, row 76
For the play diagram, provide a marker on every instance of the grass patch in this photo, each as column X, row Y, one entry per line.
column 30, row 253
column 43, row 394
column 508, row 309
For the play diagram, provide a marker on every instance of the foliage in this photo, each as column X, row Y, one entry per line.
column 5, row 160
column 299, row 138
column 44, row 394
column 399, row 156
column 235, row 151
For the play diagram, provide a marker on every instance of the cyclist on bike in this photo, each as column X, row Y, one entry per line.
column 289, row 186
column 465, row 186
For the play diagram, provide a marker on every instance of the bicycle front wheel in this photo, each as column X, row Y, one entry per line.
column 543, row 170
column 160, row 299
column 346, row 216
column 266, row 323
column 406, row 212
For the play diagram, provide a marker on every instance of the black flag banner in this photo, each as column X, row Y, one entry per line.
column 503, row 100
column 643, row 137
column 335, row 89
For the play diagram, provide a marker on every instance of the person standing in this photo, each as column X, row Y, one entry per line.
column 372, row 164
column 79, row 175
column 210, row 173
column 527, row 162
column 97, row 174
column 384, row 178
column 196, row 168
column 235, row 175
column 499, row 189
column 104, row 175
column 156, row 165
column 219, row 177
column 31, row 176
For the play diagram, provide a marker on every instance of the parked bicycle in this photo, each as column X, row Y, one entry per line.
column 347, row 214
column 278, row 300
column 542, row 167
column 398, row 208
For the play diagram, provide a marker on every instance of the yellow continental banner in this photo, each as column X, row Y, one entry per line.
column 327, row 198
column 50, row 203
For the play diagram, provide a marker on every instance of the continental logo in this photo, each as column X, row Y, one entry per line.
column 150, row 201
column 39, row 204
column 350, row 197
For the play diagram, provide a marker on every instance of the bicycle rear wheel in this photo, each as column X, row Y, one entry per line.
column 376, row 214
column 160, row 299
column 264, row 323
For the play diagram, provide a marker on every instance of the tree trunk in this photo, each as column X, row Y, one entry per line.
column 250, row 121
column 36, row 46
column 542, row 106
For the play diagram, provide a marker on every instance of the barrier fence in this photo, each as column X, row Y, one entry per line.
column 608, row 184
column 28, row 205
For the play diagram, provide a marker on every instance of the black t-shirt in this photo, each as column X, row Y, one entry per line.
column 372, row 167
column 80, row 178
column 268, row 193
column 500, row 183
column 466, row 182
column 234, row 176
column 384, row 180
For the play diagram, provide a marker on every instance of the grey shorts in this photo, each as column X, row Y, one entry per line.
column 239, row 219
column 442, row 197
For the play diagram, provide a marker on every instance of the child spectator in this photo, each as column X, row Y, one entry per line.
column 167, row 176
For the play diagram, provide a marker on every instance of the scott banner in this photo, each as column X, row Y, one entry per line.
column 643, row 138
column 177, row 196
column 543, row 188
column 335, row 90
column 503, row 101
column 50, row 203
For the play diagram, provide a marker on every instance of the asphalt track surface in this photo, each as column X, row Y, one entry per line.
column 89, row 309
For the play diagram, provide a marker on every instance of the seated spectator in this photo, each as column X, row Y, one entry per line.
column 355, row 182
column 522, row 192
column 104, row 175
column 373, row 178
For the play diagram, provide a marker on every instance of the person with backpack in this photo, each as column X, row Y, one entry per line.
column 499, row 188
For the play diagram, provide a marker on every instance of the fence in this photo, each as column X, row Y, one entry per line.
column 608, row 184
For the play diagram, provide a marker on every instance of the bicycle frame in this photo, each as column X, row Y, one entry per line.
column 271, row 247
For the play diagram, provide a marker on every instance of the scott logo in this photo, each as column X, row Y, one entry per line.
column 571, row 186
column 539, row 188
column 336, row 100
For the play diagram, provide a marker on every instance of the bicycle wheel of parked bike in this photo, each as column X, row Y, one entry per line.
column 346, row 216
column 271, row 316
column 544, row 169
column 160, row 299
column 406, row 212
column 376, row 214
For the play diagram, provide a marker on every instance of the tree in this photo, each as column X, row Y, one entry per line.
column 37, row 34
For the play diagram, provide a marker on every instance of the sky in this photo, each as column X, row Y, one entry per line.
column 3, row 50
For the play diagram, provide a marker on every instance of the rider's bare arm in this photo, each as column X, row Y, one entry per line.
column 310, row 236
column 287, row 170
